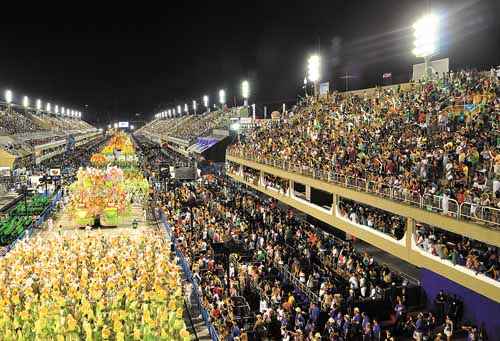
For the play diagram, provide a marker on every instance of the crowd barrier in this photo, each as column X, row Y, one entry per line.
column 435, row 203
column 189, row 276
column 38, row 222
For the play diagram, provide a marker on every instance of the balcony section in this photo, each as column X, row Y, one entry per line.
column 386, row 223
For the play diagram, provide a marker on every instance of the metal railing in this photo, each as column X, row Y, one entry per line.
column 313, row 297
column 214, row 336
column 486, row 215
column 38, row 222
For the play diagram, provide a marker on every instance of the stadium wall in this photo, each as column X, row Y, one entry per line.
column 477, row 308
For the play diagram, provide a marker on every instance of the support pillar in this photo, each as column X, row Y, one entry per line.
column 410, row 229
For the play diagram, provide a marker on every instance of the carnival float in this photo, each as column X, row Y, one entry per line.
column 107, row 190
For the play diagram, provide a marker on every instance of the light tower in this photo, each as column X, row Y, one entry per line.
column 313, row 71
column 245, row 92
column 222, row 97
column 8, row 98
column 205, row 102
column 426, row 37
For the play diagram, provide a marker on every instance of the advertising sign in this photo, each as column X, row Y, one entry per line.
column 324, row 88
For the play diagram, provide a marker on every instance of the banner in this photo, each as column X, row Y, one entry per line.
column 387, row 75
column 324, row 88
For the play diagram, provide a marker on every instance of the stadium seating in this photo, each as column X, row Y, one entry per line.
column 188, row 127
column 436, row 140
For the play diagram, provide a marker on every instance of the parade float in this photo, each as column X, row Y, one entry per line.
column 99, row 193
column 119, row 151
column 106, row 190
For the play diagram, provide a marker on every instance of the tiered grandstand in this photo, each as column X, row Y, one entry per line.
column 26, row 137
column 192, row 134
column 412, row 169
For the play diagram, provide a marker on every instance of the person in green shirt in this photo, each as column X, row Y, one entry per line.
column 261, row 256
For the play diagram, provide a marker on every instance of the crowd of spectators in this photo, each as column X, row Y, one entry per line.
column 199, row 125
column 64, row 124
column 37, row 141
column 12, row 122
column 380, row 220
column 301, row 281
column 459, row 250
column 439, row 137
column 189, row 127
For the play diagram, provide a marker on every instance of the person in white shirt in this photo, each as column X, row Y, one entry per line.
column 354, row 283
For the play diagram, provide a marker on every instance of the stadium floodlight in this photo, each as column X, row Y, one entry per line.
column 38, row 104
column 245, row 92
column 47, row 107
column 56, row 109
column 205, row 101
column 179, row 109
column 26, row 102
column 245, row 89
column 222, row 96
column 426, row 37
column 8, row 96
column 313, row 66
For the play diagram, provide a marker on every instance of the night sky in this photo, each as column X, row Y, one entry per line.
column 124, row 61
